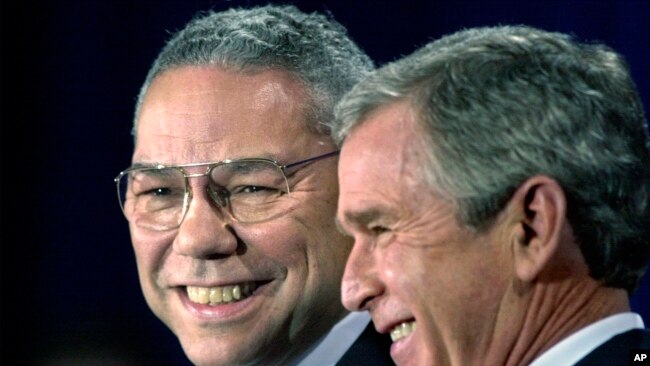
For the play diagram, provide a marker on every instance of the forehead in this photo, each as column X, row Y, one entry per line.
column 380, row 167
column 193, row 114
column 383, row 150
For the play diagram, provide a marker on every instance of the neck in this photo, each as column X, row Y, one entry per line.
column 556, row 310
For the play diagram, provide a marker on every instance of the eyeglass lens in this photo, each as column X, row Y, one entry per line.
column 249, row 191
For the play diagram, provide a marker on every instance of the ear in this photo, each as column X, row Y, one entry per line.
column 539, row 211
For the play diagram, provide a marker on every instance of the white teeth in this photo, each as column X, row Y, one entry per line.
column 227, row 294
column 203, row 295
column 216, row 295
column 402, row 330
column 220, row 294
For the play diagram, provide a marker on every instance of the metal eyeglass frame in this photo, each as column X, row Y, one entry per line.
column 209, row 167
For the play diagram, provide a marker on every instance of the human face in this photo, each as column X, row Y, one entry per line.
column 412, row 265
column 288, row 268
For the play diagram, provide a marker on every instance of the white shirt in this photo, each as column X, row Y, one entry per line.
column 328, row 350
column 579, row 344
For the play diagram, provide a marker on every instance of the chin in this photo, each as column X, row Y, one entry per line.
column 217, row 351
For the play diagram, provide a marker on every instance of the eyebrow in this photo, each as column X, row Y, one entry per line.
column 361, row 217
column 231, row 162
column 143, row 165
column 271, row 157
column 245, row 167
column 150, row 171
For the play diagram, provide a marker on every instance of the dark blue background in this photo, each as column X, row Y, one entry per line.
column 70, row 74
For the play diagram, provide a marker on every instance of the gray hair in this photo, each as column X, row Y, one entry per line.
column 313, row 47
column 497, row 105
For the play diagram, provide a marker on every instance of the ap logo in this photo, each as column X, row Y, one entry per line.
column 639, row 357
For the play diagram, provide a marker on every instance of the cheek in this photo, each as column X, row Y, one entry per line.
column 425, row 277
column 447, row 287
column 150, row 253
column 150, row 249
column 329, row 256
column 487, row 279
column 326, row 248
column 408, row 273
column 278, row 240
column 308, row 244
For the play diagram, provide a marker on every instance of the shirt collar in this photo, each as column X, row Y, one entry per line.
column 579, row 344
column 328, row 350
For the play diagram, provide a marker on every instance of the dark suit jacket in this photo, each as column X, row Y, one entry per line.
column 616, row 351
column 370, row 349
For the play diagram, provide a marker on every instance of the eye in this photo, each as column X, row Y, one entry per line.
column 378, row 229
column 157, row 183
column 254, row 190
column 160, row 191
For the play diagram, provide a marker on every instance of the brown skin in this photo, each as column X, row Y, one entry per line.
column 500, row 296
column 206, row 114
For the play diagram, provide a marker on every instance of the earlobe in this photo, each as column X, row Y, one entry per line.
column 539, row 209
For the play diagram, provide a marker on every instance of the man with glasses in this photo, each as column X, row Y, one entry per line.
column 232, row 191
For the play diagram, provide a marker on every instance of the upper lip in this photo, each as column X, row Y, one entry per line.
column 220, row 283
column 214, row 280
column 385, row 326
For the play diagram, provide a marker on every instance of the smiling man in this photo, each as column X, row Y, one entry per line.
column 497, row 185
column 232, row 191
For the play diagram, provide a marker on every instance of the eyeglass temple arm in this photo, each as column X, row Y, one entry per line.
column 288, row 166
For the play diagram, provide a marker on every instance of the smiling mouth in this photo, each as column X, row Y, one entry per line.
column 220, row 294
column 402, row 330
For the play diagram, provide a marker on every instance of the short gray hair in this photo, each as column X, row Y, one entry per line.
column 497, row 105
column 313, row 47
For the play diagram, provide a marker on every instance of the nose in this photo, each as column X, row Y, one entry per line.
column 205, row 232
column 361, row 285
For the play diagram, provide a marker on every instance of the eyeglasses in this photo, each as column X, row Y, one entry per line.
column 248, row 190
